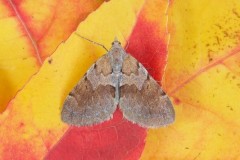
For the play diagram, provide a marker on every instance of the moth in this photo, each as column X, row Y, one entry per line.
column 117, row 79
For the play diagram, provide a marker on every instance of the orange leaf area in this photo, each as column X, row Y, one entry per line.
column 202, row 77
column 31, row 125
column 31, row 31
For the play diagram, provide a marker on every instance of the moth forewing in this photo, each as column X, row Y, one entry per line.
column 142, row 100
column 92, row 100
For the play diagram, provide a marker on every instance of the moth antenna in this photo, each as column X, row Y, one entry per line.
column 127, row 42
column 91, row 41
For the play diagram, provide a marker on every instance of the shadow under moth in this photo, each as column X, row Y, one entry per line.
column 117, row 79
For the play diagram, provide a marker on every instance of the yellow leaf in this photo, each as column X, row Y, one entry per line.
column 27, row 37
column 202, row 77
column 32, row 120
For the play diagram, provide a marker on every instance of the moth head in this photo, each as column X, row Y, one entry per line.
column 116, row 43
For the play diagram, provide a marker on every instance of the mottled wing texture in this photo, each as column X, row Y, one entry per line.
column 92, row 99
column 142, row 100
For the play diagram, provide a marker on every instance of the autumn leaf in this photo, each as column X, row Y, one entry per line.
column 30, row 32
column 119, row 138
column 190, row 47
column 31, row 123
column 202, row 77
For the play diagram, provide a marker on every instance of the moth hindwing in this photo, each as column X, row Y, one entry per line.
column 118, row 78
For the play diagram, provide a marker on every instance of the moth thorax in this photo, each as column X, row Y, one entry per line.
column 117, row 69
column 117, row 60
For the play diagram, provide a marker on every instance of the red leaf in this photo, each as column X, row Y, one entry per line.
column 114, row 139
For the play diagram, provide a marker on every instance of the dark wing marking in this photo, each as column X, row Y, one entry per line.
column 142, row 100
column 92, row 99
